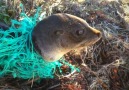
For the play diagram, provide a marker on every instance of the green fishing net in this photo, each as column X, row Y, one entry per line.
column 17, row 55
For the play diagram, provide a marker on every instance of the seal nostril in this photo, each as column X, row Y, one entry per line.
column 96, row 32
column 99, row 34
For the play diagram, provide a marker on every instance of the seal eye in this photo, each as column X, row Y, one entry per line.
column 79, row 32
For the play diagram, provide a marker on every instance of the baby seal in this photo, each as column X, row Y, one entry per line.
column 60, row 33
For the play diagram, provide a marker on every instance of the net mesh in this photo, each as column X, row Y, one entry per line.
column 17, row 55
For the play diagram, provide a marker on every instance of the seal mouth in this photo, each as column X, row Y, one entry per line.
column 91, row 41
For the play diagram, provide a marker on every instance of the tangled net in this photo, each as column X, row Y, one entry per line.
column 17, row 55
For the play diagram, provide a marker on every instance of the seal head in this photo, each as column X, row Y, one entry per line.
column 60, row 33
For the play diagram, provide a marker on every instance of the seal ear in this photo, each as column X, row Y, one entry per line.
column 59, row 32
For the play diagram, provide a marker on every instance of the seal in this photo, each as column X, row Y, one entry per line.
column 60, row 33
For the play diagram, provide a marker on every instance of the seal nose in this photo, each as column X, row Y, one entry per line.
column 99, row 34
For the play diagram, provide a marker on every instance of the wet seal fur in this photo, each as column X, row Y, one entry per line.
column 60, row 33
